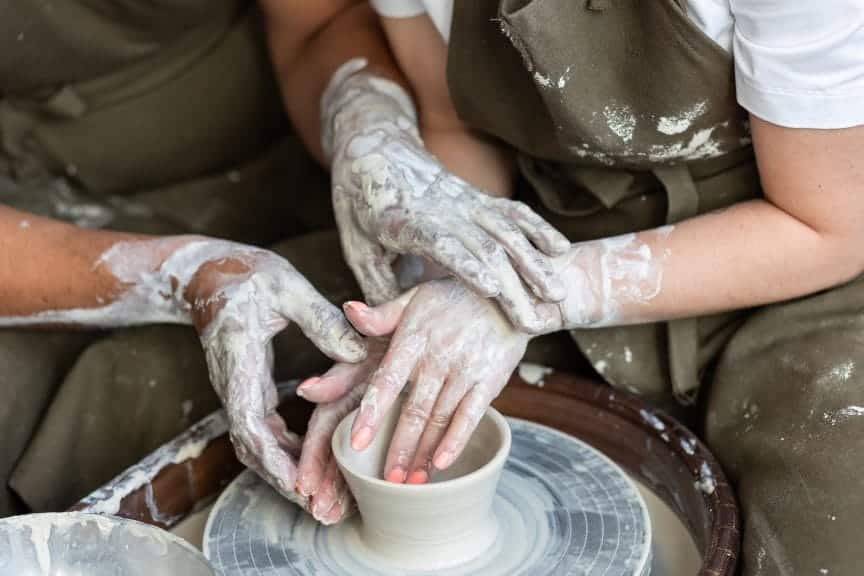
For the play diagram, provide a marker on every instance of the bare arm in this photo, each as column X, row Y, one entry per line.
column 309, row 41
column 804, row 236
column 238, row 298
column 48, row 265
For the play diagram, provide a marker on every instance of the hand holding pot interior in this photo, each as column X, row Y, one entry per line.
column 457, row 349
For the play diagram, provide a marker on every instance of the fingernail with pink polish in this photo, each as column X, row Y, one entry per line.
column 356, row 306
column 418, row 477
column 361, row 439
column 396, row 475
column 307, row 385
column 323, row 503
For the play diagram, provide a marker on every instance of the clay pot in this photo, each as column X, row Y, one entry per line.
column 428, row 526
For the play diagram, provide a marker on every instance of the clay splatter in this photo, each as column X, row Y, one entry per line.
column 542, row 80
column 688, row 445
column 653, row 420
column 706, row 482
column 621, row 121
column 701, row 145
column 534, row 374
column 564, row 78
column 680, row 123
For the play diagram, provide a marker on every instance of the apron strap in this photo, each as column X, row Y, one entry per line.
column 683, row 334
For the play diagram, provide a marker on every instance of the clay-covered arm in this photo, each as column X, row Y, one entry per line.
column 804, row 236
column 457, row 351
column 391, row 195
column 238, row 298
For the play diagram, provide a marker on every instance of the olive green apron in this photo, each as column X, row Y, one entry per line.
column 151, row 117
column 623, row 117
column 114, row 84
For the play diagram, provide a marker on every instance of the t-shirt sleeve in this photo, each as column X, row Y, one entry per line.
column 800, row 63
column 398, row 8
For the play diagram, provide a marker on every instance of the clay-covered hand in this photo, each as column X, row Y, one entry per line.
column 392, row 197
column 239, row 298
column 337, row 392
column 458, row 351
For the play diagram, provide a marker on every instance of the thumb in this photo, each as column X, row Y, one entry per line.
column 380, row 320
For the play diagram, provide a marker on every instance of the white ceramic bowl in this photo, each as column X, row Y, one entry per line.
column 80, row 544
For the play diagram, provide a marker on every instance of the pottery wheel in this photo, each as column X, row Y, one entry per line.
column 562, row 508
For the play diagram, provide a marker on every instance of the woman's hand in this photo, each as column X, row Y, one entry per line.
column 392, row 197
column 457, row 349
column 338, row 392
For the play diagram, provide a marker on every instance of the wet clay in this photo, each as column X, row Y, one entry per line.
column 431, row 526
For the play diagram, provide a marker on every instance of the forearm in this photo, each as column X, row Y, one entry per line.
column 46, row 265
column 751, row 254
column 309, row 42
column 55, row 273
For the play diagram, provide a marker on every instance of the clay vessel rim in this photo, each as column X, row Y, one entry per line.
column 493, row 466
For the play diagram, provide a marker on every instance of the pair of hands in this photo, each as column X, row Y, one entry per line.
column 456, row 347
column 456, row 340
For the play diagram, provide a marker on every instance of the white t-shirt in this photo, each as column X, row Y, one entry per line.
column 798, row 63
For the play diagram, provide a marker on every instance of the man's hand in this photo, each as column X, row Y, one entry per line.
column 392, row 197
column 239, row 298
column 456, row 347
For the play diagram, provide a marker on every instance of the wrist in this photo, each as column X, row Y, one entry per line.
column 582, row 307
column 358, row 103
column 172, row 279
column 612, row 281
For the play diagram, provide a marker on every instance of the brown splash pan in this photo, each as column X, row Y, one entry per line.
column 651, row 446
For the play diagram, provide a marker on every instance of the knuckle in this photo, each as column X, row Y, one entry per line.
column 439, row 420
column 327, row 321
column 444, row 245
column 527, row 212
column 543, row 264
column 494, row 252
column 512, row 231
column 415, row 412
column 520, row 206
column 387, row 380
